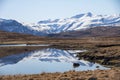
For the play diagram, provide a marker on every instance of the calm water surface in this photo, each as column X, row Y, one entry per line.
column 11, row 45
column 45, row 60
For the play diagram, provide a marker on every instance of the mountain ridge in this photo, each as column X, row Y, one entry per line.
column 103, row 31
column 74, row 23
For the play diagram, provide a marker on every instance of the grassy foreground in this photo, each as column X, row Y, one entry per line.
column 112, row 74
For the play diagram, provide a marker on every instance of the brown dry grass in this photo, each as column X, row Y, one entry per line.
column 109, row 56
column 113, row 74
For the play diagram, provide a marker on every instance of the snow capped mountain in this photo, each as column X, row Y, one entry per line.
column 81, row 21
column 14, row 26
column 75, row 23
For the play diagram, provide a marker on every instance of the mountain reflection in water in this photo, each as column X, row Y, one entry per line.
column 45, row 60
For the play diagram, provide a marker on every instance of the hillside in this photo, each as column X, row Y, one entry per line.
column 92, row 32
column 11, row 37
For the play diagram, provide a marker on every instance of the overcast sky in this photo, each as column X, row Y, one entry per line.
column 36, row 10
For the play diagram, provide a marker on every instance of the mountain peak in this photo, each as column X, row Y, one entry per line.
column 89, row 14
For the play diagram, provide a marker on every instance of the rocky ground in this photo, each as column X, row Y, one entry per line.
column 109, row 56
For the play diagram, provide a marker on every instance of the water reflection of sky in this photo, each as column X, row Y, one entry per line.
column 46, row 60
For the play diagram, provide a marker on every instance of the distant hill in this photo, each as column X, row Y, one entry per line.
column 107, row 31
column 11, row 36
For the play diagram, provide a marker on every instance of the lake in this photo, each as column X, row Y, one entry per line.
column 45, row 60
column 18, row 45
